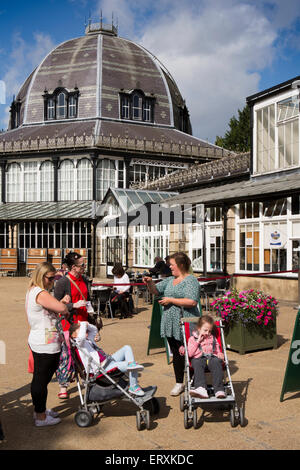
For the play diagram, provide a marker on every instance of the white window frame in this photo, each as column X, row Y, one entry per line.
column 156, row 238
column 46, row 181
column 289, row 220
column 67, row 181
column 84, row 173
column 259, row 106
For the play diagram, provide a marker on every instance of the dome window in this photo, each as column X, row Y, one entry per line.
column 51, row 109
column 61, row 104
column 136, row 106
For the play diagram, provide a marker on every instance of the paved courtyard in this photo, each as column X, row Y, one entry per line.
column 257, row 379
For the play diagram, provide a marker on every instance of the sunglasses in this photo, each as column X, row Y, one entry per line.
column 80, row 265
column 50, row 278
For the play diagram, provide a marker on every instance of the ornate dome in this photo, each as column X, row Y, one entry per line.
column 96, row 72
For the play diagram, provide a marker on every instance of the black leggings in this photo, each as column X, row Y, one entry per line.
column 178, row 360
column 44, row 367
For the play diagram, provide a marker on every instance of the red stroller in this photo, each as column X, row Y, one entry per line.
column 189, row 404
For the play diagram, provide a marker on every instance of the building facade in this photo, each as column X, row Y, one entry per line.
column 252, row 225
column 98, row 112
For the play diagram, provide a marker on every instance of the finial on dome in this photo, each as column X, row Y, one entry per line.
column 101, row 28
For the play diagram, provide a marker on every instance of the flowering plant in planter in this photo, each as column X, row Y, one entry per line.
column 250, row 307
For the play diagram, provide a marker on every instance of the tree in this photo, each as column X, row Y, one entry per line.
column 237, row 138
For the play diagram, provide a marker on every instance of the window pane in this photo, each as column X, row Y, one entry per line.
column 61, row 106
column 47, row 181
column 84, row 180
column 13, row 183
column 66, row 177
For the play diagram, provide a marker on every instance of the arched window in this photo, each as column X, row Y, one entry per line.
column 66, row 181
column 13, row 183
column 47, row 181
column 106, row 177
column 137, row 106
column 30, row 181
column 61, row 104
column 61, row 108
column 72, row 106
column 84, row 180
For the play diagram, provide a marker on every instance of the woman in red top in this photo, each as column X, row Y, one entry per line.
column 74, row 285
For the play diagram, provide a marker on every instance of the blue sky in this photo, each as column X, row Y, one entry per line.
column 218, row 51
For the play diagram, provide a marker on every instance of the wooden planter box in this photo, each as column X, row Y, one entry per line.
column 241, row 338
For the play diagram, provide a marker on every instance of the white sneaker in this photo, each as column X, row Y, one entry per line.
column 177, row 389
column 220, row 394
column 199, row 392
column 136, row 391
column 49, row 412
column 49, row 421
column 134, row 366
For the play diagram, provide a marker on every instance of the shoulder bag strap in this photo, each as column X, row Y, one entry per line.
column 74, row 284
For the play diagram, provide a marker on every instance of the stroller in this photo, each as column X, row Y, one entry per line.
column 96, row 390
column 189, row 404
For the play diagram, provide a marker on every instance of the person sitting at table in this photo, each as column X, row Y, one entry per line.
column 159, row 268
column 120, row 295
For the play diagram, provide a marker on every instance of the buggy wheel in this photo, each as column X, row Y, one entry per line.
column 242, row 417
column 233, row 418
column 186, row 418
column 182, row 402
column 153, row 406
column 147, row 419
column 195, row 418
column 83, row 418
column 138, row 420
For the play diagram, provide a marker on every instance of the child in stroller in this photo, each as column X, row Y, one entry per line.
column 85, row 335
column 104, row 378
column 205, row 353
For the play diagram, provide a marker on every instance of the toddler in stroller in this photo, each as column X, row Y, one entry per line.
column 85, row 334
column 205, row 353
column 105, row 377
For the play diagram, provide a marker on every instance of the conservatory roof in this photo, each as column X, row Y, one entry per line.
column 130, row 200
column 47, row 210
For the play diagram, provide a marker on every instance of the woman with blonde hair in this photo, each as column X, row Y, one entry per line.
column 44, row 341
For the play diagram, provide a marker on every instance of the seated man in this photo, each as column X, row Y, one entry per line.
column 120, row 294
column 85, row 335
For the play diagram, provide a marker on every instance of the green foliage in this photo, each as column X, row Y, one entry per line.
column 237, row 138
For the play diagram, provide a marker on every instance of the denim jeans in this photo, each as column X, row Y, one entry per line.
column 121, row 358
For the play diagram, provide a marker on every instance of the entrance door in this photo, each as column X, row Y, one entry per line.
column 113, row 253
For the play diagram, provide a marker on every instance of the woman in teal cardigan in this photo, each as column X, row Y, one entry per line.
column 180, row 296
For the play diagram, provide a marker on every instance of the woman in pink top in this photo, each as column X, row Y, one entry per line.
column 204, row 351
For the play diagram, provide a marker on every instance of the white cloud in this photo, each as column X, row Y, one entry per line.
column 23, row 59
column 215, row 50
column 213, row 54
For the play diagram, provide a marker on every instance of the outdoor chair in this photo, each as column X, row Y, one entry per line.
column 223, row 285
column 208, row 290
column 102, row 300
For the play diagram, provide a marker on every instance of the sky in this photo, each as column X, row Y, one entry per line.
column 218, row 51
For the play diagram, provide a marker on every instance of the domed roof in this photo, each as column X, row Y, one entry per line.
column 101, row 66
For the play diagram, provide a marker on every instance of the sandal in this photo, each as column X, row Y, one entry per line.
column 63, row 395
